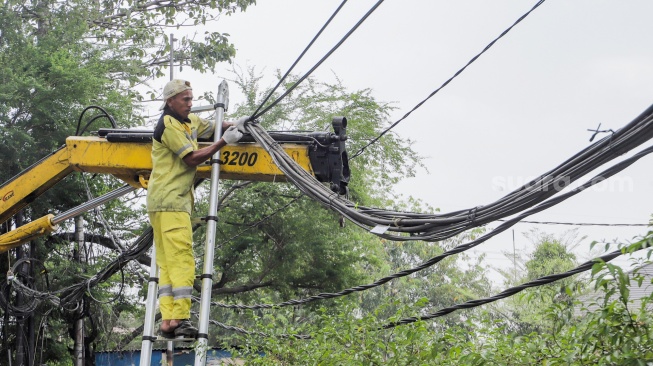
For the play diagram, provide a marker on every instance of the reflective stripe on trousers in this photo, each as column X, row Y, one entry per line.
column 173, row 238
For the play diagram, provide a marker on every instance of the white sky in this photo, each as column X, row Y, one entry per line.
column 520, row 110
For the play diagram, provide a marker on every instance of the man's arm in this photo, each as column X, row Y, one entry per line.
column 197, row 157
column 226, row 125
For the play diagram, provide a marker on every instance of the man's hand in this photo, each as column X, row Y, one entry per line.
column 240, row 124
column 232, row 135
column 197, row 157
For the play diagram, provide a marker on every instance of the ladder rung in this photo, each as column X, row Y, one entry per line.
column 180, row 339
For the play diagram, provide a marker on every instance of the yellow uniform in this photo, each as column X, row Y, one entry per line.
column 169, row 204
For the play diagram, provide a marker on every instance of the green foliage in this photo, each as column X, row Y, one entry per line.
column 604, row 331
column 549, row 257
column 273, row 244
column 311, row 107
column 56, row 59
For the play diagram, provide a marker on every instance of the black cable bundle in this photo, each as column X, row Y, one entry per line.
column 435, row 227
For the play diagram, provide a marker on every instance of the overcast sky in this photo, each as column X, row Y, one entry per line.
column 520, row 110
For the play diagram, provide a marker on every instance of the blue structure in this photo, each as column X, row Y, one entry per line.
column 182, row 357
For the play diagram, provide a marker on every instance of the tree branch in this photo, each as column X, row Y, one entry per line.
column 134, row 333
column 240, row 289
column 101, row 240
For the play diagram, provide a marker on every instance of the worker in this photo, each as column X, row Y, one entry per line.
column 170, row 199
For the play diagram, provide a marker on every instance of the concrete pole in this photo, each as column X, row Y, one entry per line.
column 79, row 351
column 172, row 56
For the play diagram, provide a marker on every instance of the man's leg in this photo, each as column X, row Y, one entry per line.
column 165, row 285
column 178, row 239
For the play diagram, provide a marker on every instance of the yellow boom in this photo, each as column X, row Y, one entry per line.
column 132, row 163
column 320, row 153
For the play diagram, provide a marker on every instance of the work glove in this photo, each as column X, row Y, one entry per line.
column 240, row 124
column 232, row 135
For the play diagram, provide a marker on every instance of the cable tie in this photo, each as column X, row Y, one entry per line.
column 471, row 215
column 202, row 335
column 149, row 338
column 205, row 275
column 219, row 105
column 153, row 279
column 396, row 221
column 216, row 161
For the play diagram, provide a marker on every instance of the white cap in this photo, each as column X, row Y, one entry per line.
column 172, row 88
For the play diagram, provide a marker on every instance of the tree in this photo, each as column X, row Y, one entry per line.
column 610, row 334
column 551, row 255
column 276, row 245
column 58, row 57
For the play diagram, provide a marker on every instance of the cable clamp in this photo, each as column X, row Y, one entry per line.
column 207, row 218
column 149, row 338
column 153, row 279
column 219, row 105
column 471, row 215
column 216, row 161
column 202, row 335
column 205, row 275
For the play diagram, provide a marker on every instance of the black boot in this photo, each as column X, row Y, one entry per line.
column 186, row 329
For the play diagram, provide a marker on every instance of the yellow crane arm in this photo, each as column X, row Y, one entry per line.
column 127, row 156
column 27, row 232
column 131, row 162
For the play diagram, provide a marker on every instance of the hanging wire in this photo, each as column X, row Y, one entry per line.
column 360, row 151
column 260, row 334
column 103, row 114
column 406, row 226
column 579, row 223
column 458, row 249
column 515, row 290
column 291, row 88
column 299, row 58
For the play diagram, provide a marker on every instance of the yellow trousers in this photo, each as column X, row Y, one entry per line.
column 173, row 240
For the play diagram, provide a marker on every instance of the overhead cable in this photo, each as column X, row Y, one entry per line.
column 260, row 334
column 291, row 88
column 360, row 151
column 300, row 57
column 404, row 226
column 514, row 290
column 458, row 249
column 580, row 223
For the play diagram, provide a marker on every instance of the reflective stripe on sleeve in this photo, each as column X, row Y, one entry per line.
column 183, row 148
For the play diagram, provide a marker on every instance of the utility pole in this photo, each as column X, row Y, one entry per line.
column 172, row 55
column 21, row 352
column 79, row 351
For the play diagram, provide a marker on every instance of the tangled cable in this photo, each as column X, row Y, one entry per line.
column 403, row 226
column 28, row 303
column 458, row 249
column 70, row 298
